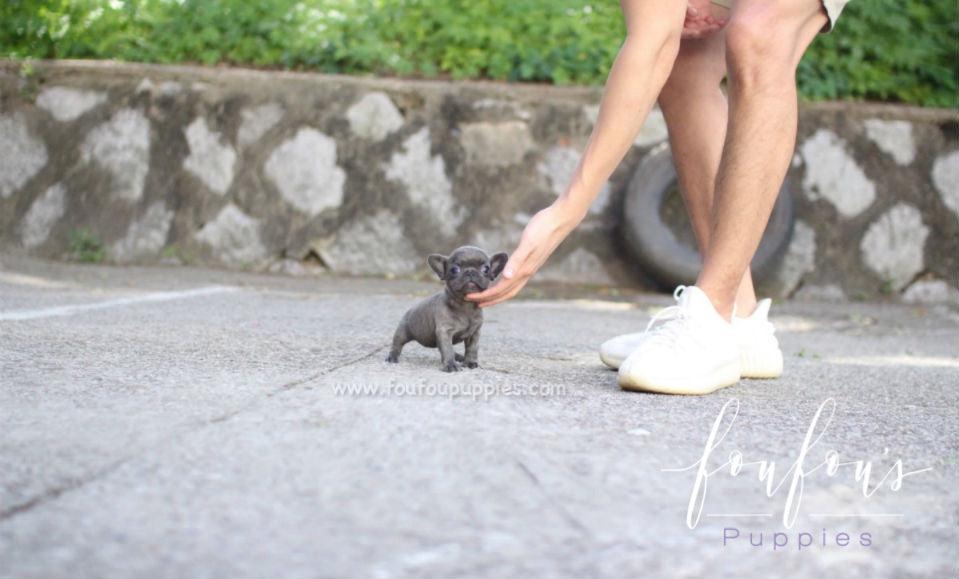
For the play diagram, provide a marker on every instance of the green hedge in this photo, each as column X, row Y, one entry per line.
column 883, row 49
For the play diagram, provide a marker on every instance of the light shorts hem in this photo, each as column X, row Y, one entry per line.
column 833, row 8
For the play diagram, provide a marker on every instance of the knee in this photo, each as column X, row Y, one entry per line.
column 759, row 50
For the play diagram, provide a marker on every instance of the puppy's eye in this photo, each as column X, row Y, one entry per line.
column 486, row 268
column 455, row 270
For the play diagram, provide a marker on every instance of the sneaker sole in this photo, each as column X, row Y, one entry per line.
column 720, row 378
column 761, row 363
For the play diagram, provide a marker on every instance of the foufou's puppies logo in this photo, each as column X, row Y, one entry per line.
column 789, row 481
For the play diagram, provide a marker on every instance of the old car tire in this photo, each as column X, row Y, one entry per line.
column 654, row 244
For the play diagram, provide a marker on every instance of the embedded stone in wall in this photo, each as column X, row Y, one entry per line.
column 893, row 246
column 496, row 144
column 69, row 104
column 305, row 172
column 234, row 238
column 580, row 266
column 165, row 89
column 375, row 245
column 832, row 174
column 652, row 132
column 945, row 177
column 499, row 235
column 934, row 291
column 374, row 116
column 145, row 238
column 122, row 147
column 210, row 160
column 591, row 112
column 43, row 215
column 499, row 108
column 800, row 259
column 558, row 167
column 427, row 185
column 601, row 203
column 893, row 138
column 256, row 122
column 21, row 154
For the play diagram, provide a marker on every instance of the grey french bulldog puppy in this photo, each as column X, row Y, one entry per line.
column 446, row 318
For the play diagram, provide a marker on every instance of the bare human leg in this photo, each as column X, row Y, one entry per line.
column 697, row 113
column 764, row 43
column 695, row 349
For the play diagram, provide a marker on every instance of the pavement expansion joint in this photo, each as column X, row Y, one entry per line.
column 54, row 493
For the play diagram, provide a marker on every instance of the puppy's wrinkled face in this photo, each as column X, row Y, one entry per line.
column 467, row 269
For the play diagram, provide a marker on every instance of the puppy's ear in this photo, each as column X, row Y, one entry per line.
column 496, row 264
column 438, row 263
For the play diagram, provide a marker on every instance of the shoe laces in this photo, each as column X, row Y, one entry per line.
column 668, row 314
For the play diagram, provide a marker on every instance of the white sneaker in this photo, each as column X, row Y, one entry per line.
column 614, row 351
column 689, row 349
column 759, row 353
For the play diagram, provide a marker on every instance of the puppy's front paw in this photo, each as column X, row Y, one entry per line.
column 393, row 358
column 451, row 366
column 472, row 365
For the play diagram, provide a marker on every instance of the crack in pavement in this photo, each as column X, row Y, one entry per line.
column 557, row 506
column 55, row 492
column 328, row 371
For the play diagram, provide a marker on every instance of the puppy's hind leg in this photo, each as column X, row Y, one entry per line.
column 400, row 339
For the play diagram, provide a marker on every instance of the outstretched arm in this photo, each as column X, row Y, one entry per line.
column 653, row 31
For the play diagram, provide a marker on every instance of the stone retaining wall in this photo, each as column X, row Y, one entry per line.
column 299, row 172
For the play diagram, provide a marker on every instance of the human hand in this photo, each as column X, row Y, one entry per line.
column 542, row 235
column 703, row 18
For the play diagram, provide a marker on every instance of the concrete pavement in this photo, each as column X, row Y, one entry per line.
column 175, row 422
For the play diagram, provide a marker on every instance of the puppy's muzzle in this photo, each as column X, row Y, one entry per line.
column 473, row 280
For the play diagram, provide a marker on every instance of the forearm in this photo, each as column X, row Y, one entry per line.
column 635, row 80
